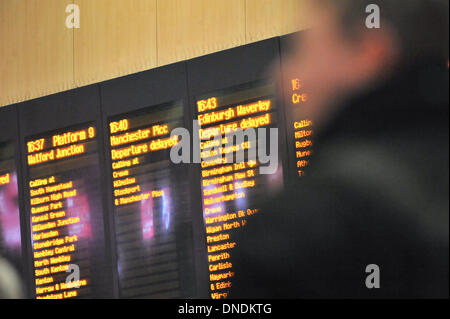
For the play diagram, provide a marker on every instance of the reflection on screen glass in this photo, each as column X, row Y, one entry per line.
column 66, row 213
column 230, row 190
column 151, row 205
column 10, row 240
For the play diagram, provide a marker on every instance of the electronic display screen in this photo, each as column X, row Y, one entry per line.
column 151, row 204
column 300, row 130
column 66, row 214
column 232, row 190
column 10, row 235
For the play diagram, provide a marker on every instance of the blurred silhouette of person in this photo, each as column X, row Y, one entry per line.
column 376, row 190
column 10, row 282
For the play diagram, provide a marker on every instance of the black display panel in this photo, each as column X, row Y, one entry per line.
column 63, row 195
column 300, row 131
column 231, row 91
column 150, row 198
column 10, row 220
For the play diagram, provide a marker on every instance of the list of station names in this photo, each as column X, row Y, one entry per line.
column 230, row 190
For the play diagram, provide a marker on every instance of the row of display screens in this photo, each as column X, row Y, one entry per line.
column 105, row 211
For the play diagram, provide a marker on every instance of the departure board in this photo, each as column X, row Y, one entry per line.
column 301, row 129
column 231, row 190
column 66, row 213
column 153, row 221
column 10, row 235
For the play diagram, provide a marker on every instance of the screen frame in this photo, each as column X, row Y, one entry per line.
column 147, row 90
column 286, row 48
column 236, row 66
column 55, row 112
